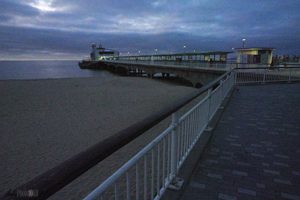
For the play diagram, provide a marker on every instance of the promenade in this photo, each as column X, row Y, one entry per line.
column 254, row 150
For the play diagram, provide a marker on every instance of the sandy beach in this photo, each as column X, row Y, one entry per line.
column 44, row 122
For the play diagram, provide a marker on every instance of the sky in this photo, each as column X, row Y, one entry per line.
column 65, row 29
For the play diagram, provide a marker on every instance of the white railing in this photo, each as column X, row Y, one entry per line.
column 267, row 75
column 151, row 171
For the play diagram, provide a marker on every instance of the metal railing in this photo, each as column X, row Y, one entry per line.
column 197, row 64
column 149, row 173
column 267, row 74
column 185, row 64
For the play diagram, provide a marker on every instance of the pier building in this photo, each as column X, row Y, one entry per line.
column 211, row 56
column 254, row 55
column 101, row 53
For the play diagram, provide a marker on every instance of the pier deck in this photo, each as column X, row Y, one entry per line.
column 254, row 151
column 217, row 67
column 196, row 73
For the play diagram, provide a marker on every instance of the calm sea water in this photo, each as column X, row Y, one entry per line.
column 45, row 70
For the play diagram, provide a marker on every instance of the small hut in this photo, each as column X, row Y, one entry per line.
column 254, row 55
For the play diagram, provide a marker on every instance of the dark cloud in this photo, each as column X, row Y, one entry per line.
column 67, row 28
column 16, row 8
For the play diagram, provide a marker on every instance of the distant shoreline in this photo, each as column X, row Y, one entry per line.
column 45, row 69
column 40, row 60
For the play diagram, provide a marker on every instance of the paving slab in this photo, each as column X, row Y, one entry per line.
column 255, row 149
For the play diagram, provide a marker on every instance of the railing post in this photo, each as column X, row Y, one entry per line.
column 264, row 77
column 177, row 182
column 174, row 145
column 233, row 76
column 209, row 104
column 290, row 75
column 236, row 76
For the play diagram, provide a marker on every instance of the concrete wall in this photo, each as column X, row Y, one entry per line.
column 266, row 58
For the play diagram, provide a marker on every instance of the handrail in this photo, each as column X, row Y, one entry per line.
column 271, row 68
column 180, row 140
column 180, row 137
column 128, row 165
column 56, row 178
column 166, row 65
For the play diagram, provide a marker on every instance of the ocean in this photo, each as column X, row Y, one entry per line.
column 19, row 70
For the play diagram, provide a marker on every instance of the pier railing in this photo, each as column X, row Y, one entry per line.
column 267, row 74
column 190, row 64
column 152, row 170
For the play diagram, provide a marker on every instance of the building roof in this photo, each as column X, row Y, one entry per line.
column 187, row 54
column 254, row 48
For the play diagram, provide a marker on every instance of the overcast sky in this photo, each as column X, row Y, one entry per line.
column 66, row 28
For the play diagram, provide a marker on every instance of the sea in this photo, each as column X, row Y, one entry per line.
column 45, row 69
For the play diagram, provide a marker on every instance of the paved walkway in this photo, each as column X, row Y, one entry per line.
column 255, row 149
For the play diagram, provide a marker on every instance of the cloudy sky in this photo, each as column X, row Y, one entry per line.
column 66, row 28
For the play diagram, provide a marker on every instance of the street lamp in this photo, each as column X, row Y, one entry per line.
column 155, row 51
column 244, row 42
column 184, row 47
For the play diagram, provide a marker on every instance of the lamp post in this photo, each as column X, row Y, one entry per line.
column 155, row 51
column 244, row 42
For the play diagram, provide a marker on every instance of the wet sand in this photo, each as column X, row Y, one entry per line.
column 44, row 122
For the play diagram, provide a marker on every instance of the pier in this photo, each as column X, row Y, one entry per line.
column 197, row 76
column 196, row 68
